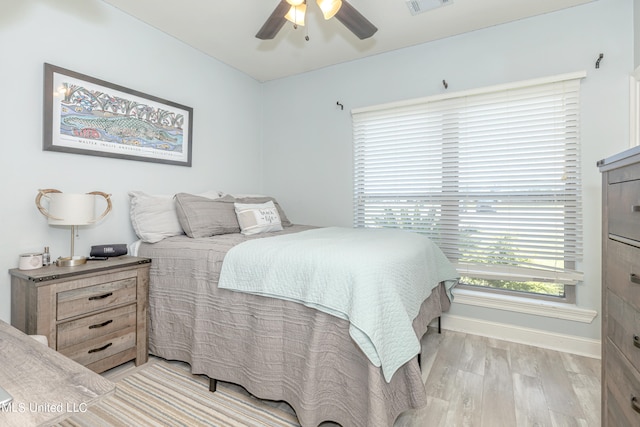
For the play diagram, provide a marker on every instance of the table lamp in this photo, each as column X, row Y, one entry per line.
column 73, row 210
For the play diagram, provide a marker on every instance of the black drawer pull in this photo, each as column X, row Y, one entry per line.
column 634, row 278
column 104, row 347
column 635, row 208
column 101, row 296
column 100, row 325
column 636, row 341
column 635, row 404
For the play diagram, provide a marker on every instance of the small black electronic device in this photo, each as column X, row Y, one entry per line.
column 101, row 251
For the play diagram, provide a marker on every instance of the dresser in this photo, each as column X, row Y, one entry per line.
column 46, row 387
column 621, row 289
column 95, row 314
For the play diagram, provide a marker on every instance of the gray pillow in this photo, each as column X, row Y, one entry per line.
column 255, row 200
column 203, row 217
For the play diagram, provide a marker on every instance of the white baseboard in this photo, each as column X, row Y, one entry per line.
column 519, row 304
column 553, row 341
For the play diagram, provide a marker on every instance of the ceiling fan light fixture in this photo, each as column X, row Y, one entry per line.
column 329, row 7
column 296, row 14
column 342, row 10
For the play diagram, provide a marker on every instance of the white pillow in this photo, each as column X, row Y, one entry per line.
column 154, row 217
column 258, row 218
column 240, row 195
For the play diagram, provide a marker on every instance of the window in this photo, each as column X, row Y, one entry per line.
column 492, row 176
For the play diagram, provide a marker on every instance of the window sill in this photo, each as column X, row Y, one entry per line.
column 551, row 309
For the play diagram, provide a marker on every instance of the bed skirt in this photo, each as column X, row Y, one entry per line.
column 275, row 349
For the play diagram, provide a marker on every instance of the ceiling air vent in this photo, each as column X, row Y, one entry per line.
column 420, row 6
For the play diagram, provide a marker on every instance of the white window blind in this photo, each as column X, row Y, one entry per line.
column 492, row 176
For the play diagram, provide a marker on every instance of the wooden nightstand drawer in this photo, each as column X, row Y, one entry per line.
column 88, row 328
column 622, row 275
column 624, row 209
column 81, row 301
column 623, row 327
column 622, row 385
column 90, row 351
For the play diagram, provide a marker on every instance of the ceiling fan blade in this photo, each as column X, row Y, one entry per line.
column 355, row 22
column 275, row 22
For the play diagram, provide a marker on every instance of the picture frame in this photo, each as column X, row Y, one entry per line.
column 86, row 115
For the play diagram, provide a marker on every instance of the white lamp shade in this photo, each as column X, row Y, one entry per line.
column 329, row 7
column 296, row 14
column 71, row 209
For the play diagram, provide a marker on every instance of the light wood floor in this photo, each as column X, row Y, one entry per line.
column 484, row 382
column 477, row 381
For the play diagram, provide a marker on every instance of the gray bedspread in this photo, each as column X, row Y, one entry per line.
column 276, row 349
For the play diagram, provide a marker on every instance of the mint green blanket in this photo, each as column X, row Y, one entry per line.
column 377, row 279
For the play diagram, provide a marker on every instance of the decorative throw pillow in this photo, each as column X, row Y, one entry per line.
column 263, row 199
column 204, row 217
column 258, row 218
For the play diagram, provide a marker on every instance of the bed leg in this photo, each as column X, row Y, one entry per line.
column 439, row 325
column 212, row 384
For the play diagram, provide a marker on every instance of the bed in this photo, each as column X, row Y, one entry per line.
column 277, row 349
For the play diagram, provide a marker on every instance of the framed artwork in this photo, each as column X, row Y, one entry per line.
column 85, row 115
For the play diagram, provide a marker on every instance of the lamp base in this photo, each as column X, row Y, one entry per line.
column 71, row 261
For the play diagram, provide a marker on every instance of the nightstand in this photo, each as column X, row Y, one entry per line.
column 96, row 313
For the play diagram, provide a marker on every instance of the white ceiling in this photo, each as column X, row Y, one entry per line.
column 225, row 29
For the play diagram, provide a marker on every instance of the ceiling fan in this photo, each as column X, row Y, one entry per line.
column 295, row 10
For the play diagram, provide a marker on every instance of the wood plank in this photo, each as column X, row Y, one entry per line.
column 88, row 299
column 498, row 407
column 466, row 404
column 564, row 420
column 561, row 397
column 430, row 344
column 42, row 275
column 19, row 301
column 474, row 353
column 581, row 364
column 90, row 351
column 587, row 388
column 44, row 314
column 441, row 379
column 433, row 413
column 101, row 324
column 111, row 361
column 142, row 315
column 524, row 360
column 530, row 401
column 622, row 382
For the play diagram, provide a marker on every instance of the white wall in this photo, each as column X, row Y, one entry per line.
column 95, row 39
column 307, row 138
column 636, row 34
column 305, row 158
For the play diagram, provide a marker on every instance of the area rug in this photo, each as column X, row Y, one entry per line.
column 164, row 394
